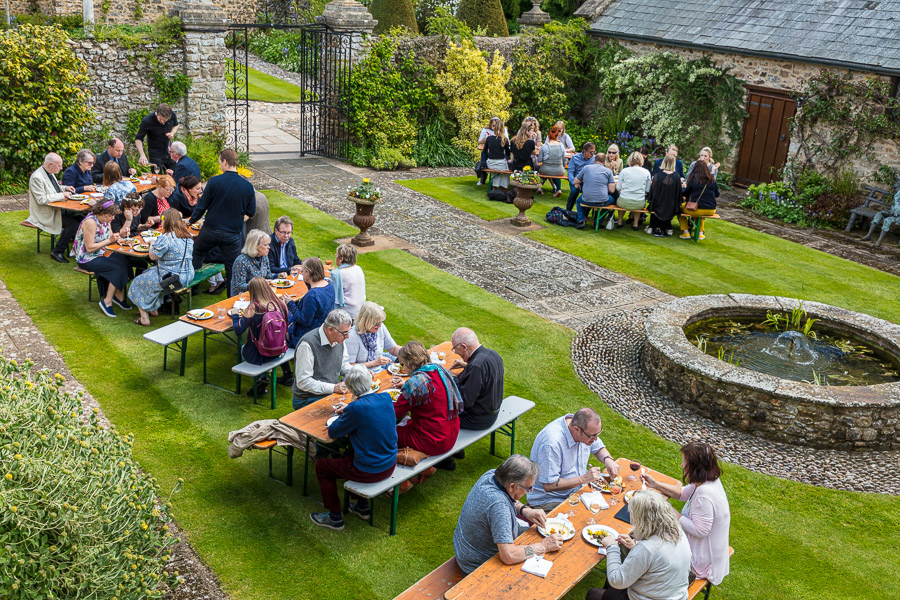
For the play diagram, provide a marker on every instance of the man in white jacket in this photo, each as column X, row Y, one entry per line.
column 43, row 188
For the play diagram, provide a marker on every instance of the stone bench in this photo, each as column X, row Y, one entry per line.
column 256, row 371
column 175, row 334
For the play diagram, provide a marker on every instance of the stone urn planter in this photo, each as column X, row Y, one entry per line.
column 523, row 201
column 363, row 219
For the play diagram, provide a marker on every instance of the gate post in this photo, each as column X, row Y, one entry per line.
column 204, row 26
column 349, row 17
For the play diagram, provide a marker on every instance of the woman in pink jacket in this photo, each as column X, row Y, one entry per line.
column 705, row 517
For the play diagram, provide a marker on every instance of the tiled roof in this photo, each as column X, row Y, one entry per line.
column 860, row 33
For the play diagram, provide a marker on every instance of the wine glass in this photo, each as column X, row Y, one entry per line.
column 573, row 500
column 539, row 552
column 336, row 404
column 594, row 508
column 634, row 466
column 442, row 356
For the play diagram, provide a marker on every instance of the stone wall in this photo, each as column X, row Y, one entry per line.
column 781, row 76
column 123, row 11
column 433, row 48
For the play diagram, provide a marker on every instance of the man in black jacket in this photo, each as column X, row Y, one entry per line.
column 282, row 250
column 481, row 381
column 115, row 152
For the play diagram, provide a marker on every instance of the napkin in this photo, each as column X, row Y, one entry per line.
column 241, row 304
column 588, row 497
column 537, row 566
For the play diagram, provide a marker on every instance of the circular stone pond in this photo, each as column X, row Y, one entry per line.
column 789, row 406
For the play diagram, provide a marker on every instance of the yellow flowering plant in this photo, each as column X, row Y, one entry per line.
column 365, row 193
column 525, row 177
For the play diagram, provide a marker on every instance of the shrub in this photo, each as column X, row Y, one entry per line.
column 205, row 150
column 172, row 88
column 394, row 13
column 831, row 210
column 443, row 22
column 776, row 201
column 43, row 105
column 486, row 14
column 810, row 185
column 475, row 92
column 433, row 148
column 281, row 47
column 78, row 518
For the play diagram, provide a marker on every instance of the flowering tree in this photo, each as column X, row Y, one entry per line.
column 474, row 90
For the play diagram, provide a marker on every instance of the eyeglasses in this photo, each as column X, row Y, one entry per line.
column 528, row 489
column 453, row 349
column 346, row 334
column 612, row 152
column 279, row 232
column 590, row 436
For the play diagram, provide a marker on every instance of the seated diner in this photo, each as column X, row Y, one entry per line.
column 370, row 343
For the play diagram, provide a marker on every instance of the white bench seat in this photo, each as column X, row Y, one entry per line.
column 175, row 334
column 256, row 371
column 511, row 409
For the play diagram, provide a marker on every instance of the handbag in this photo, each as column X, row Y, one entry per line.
column 409, row 457
column 170, row 282
column 693, row 205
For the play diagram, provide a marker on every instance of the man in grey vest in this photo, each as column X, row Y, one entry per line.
column 321, row 360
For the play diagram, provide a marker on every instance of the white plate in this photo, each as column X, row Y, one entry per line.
column 282, row 283
column 201, row 314
column 586, row 533
column 331, row 420
column 141, row 248
column 559, row 524
column 77, row 197
column 395, row 369
column 149, row 233
column 376, row 385
column 394, row 392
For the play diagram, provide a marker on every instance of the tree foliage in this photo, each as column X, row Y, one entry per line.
column 43, row 103
column 394, row 13
column 486, row 14
column 474, row 91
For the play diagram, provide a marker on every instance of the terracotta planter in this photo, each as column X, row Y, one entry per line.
column 363, row 219
column 523, row 201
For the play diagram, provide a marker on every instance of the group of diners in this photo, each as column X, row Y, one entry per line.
column 665, row 550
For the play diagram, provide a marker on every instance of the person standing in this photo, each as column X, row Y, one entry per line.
column 43, row 188
column 159, row 127
column 349, row 280
column 227, row 201
column 481, row 380
column 665, row 198
column 115, row 151
column 260, row 219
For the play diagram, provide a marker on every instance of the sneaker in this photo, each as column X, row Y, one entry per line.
column 701, row 236
column 448, row 464
column 685, row 235
column 669, row 231
column 362, row 513
column 123, row 304
column 579, row 225
column 658, row 233
column 648, row 230
column 107, row 310
column 324, row 519
column 479, row 182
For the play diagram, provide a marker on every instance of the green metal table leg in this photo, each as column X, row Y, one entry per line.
column 183, row 356
column 512, row 439
column 272, row 384
column 205, row 335
column 306, row 466
column 395, row 500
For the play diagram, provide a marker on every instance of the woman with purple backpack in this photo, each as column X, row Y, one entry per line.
column 262, row 301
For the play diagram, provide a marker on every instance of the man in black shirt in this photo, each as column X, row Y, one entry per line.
column 115, row 151
column 159, row 128
column 481, row 381
column 227, row 201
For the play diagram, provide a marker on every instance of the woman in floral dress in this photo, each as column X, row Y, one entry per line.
column 113, row 271
column 173, row 251
column 116, row 187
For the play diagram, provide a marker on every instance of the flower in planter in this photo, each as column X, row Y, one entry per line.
column 525, row 177
column 366, row 191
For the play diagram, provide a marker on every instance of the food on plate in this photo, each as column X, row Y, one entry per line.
column 615, row 489
column 395, row 393
column 375, row 385
column 628, row 495
column 141, row 248
column 557, row 529
column 282, row 283
column 77, row 197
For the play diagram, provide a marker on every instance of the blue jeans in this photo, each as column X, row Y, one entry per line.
column 589, row 205
column 574, row 192
column 299, row 403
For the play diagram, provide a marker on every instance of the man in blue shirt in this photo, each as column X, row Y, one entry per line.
column 370, row 424
column 562, row 450
column 184, row 164
column 576, row 164
column 597, row 183
column 679, row 166
column 282, row 251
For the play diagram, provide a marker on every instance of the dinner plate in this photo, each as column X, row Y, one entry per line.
column 150, row 233
column 141, row 248
column 376, row 385
column 629, row 494
column 560, row 526
column 200, row 314
column 331, row 420
column 77, row 197
column 282, row 283
column 395, row 369
column 196, row 226
column 86, row 201
column 586, row 533
column 395, row 393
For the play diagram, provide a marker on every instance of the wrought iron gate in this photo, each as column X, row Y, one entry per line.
column 326, row 58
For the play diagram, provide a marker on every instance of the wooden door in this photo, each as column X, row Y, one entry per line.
column 765, row 145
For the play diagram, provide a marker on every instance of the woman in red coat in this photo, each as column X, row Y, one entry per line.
column 432, row 401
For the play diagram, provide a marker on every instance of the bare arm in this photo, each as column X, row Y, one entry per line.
column 672, row 490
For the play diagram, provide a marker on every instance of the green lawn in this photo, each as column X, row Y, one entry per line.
column 791, row 540
column 731, row 259
column 265, row 88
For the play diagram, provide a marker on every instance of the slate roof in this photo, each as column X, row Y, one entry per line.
column 861, row 34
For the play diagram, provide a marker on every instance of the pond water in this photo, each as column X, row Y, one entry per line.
column 825, row 358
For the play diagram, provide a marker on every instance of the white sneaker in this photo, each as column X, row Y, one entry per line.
column 669, row 232
column 72, row 252
column 648, row 230
column 479, row 182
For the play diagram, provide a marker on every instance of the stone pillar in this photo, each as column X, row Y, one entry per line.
column 349, row 16
column 534, row 17
column 205, row 27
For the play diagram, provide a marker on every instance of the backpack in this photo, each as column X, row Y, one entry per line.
column 560, row 216
column 272, row 339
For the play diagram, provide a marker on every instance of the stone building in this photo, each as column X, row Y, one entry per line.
column 775, row 48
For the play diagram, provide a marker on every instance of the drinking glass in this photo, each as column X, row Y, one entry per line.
column 539, row 551
column 634, row 466
column 573, row 499
column 442, row 356
column 221, row 312
column 335, row 405
column 594, row 508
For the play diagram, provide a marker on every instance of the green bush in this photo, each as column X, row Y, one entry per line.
column 205, row 150
column 484, row 14
column 433, row 148
column 78, row 518
column 172, row 88
column 810, row 185
column 281, row 47
column 43, row 104
column 444, row 22
column 394, row 13
column 12, row 184
column 776, row 201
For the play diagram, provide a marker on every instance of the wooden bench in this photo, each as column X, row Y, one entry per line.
column 175, row 334
column 877, row 200
column 492, row 172
column 433, row 585
column 611, row 209
column 92, row 277
column 512, row 408
column 703, row 585
column 40, row 232
column 694, row 225
column 288, row 453
column 200, row 275
column 256, row 371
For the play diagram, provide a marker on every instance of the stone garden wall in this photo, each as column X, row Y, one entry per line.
column 782, row 76
column 124, row 11
column 433, row 48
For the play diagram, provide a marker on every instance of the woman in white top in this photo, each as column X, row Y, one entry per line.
column 706, row 517
column 370, row 339
column 633, row 186
column 349, row 280
column 659, row 561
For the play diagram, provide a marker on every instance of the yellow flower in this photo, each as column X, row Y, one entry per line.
column 526, row 168
column 366, row 180
column 9, row 476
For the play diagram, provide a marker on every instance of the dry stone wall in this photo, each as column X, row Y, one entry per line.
column 123, row 11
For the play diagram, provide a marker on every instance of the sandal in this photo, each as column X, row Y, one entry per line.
column 138, row 322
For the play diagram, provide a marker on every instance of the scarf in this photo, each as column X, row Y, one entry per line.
column 162, row 205
column 419, row 389
column 339, row 288
column 368, row 340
